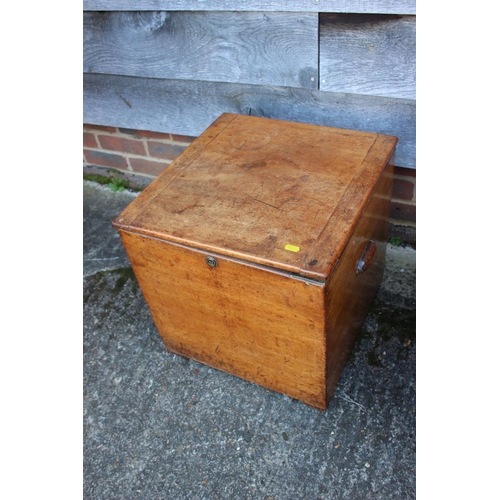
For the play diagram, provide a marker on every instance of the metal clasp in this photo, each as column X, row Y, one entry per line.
column 211, row 261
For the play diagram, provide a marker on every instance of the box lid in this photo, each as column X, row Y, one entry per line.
column 282, row 194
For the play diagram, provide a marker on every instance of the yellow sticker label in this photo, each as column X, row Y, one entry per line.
column 292, row 248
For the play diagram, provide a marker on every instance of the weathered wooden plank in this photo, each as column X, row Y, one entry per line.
column 368, row 54
column 259, row 325
column 189, row 107
column 355, row 6
column 237, row 47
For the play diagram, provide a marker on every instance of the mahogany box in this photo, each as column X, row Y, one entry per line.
column 261, row 247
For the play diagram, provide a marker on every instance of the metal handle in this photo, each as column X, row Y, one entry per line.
column 367, row 257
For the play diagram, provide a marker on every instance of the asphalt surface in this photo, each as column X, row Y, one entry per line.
column 160, row 426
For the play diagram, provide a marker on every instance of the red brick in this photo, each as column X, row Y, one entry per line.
column 105, row 159
column 147, row 166
column 120, row 144
column 99, row 127
column 146, row 133
column 408, row 172
column 164, row 150
column 183, row 138
column 402, row 190
column 89, row 140
column 402, row 212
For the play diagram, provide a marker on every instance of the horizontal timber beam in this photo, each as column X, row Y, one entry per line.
column 237, row 47
column 346, row 6
column 368, row 54
column 189, row 107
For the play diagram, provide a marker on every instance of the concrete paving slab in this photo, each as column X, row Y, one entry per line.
column 160, row 426
column 102, row 247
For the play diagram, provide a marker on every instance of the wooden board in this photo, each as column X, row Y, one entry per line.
column 263, row 48
column 361, row 6
column 370, row 54
column 188, row 108
column 349, row 295
column 258, row 325
column 251, row 188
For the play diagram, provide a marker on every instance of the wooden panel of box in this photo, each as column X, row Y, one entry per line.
column 260, row 249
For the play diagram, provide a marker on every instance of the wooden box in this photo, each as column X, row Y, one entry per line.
column 260, row 248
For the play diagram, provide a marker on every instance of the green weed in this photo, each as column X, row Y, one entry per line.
column 118, row 185
column 114, row 183
column 396, row 241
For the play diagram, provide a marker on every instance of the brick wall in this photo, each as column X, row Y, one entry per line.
column 147, row 153
column 132, row 151
column 403, row 203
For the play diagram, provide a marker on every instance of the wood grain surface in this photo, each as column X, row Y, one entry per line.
column 247, row 249
column 188, row 108
column 259, row 325
column 260, row 185
column 351, row 208
column 264, row 48
column 348, row 295
column 361, row 6
column 370, row 54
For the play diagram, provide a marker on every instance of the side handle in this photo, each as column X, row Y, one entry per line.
column 367, row 256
